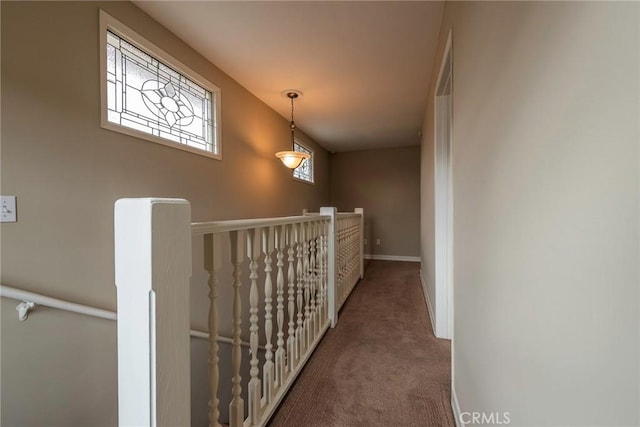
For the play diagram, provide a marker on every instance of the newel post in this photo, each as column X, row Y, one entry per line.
column 152, row 271
column 361, row 236
column 331, row 265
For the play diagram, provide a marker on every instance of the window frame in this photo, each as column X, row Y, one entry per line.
column 296, row 141
column 109, row 23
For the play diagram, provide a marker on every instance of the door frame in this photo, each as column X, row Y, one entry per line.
column 443, row 191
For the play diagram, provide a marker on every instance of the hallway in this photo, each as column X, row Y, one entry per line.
column 381, row 365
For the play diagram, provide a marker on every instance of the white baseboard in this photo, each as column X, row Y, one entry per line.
column 393, row 258
column 427, row 301
column 455, row 407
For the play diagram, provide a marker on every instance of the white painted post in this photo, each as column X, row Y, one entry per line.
column 361, row 235
column 152, row 271
column 331, row 265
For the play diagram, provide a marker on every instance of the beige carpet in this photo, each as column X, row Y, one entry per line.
column 381, row 365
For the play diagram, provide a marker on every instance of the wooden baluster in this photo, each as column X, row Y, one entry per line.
column 280, row 352
column 347, row 241
column 360, row 222
column 236, row 406
column 253, row 251
column 318, row 278
column 211, row 265
column 350, row 256
column 355, row 249
column 338, row 264
column 320, row 262
column 331, row 227
column 325, row 269
column 345, row 257
column 321, row 276
column 354, row 252
column 268, row 368
column 298, row 236
column 306, row 277
column 348, row 260
column 345, row 261
column 339, row 253
column 341, row 261
column 312, row 275
column 291, row 345
column 313, row 280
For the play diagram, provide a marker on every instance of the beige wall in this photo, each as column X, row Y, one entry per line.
column 545, row 112
column 386, row 183
column 67, row 172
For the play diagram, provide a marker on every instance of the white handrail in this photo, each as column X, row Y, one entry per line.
column 31, row 297
column 199, row 228
column 348, row 215
column 26, row 296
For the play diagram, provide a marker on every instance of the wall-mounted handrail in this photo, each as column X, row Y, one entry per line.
column 26, row 296
column 60, row 304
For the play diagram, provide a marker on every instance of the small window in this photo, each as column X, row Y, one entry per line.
column 304, row 172
column 150, row 95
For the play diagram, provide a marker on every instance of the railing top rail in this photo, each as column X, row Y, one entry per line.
column 348, row 214
column 200, row 228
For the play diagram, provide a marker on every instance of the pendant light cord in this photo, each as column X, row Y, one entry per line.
column 293, row 125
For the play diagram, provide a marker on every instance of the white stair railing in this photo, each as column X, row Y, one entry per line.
column 318, row 260
column 349, row 234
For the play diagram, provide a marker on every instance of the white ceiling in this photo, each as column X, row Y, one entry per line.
column 364, row 67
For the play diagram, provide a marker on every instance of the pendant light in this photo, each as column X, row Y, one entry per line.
column 292, row 159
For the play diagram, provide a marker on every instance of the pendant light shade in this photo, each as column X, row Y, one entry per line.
column 292, row 159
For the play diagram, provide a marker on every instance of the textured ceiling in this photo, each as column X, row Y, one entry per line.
column 364, row 67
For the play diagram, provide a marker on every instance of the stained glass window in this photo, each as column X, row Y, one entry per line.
column 305, row 170
column 145, row 94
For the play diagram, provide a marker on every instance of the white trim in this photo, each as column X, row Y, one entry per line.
column 313, row 170
column 447, row 51
column 392, row 258
column 427, row 301
column 443, row 195
column 455, row 408
column 107, row 22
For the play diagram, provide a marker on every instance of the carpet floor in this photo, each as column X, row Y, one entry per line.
column 380, row 366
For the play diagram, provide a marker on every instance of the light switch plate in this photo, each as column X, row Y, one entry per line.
column 8, row 209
